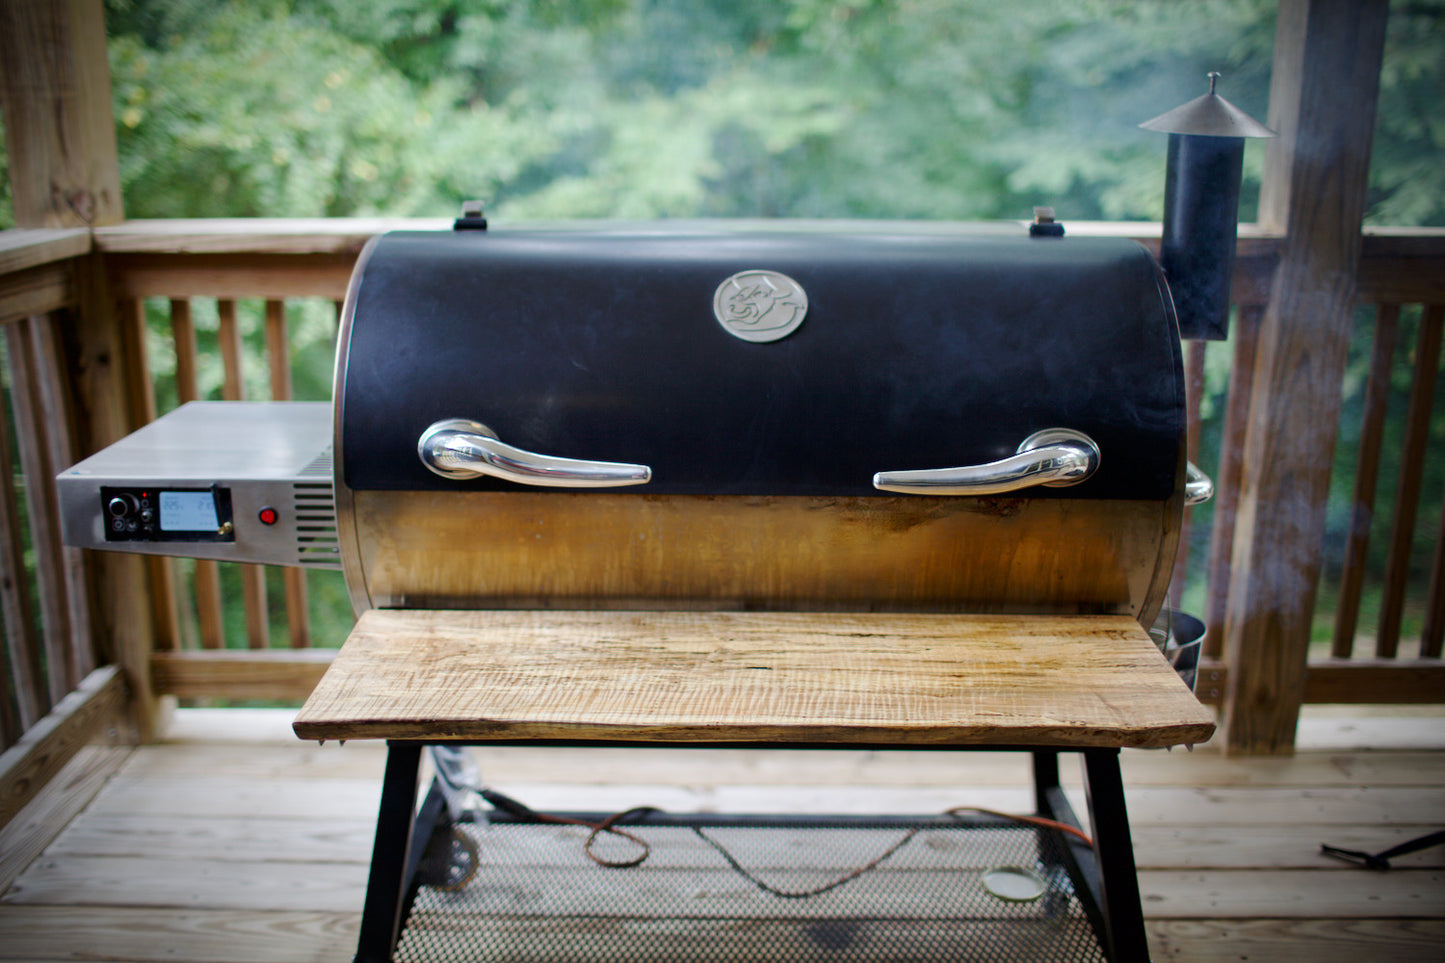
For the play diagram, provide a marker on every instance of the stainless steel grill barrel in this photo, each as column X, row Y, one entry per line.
column 675, row 416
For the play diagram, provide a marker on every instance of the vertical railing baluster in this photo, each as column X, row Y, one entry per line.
column 1407, row 499
column 1227, row 474
column 1433, row 636
column 41, row 506
column 278, row 350
column 10, row 728
column 207, row 577
column 253, row 577
column 183, row 335
column 278, row 344
column 165, row 613
column 228, row 342
column 1362, row 512
column 57, row 435
column 22, row 645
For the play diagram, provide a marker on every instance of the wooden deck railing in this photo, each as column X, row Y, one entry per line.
column 74, row 306
column 52, row 695
column 1409, row 491
column 229, row 273
column 42, row 586
column 1402, row 275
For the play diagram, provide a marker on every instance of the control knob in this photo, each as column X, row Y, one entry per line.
column 122, row 505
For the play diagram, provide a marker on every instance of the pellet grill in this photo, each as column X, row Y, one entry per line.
column 689, row 446
column 819, row 485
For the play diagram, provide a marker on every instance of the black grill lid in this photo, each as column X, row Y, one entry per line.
column 916, row 351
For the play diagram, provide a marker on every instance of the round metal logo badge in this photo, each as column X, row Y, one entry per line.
column 760, row 305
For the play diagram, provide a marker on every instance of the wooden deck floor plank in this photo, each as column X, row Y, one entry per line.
column 305, row 760
column 1365, row 729
column 189, row 884
column 1315, row 941
column 819, row 768
column 180, row 936
column 295, row 797
column 305, row 840
column 1209, row 768
column 1289, row 893
column 1147, row 805
column 218, row 728
column 236, row 796
column 848, row 768
column 233, row 841
column 1274, row 846
column 338, row 887
column 260, row 743
column 217, row 838
column 1330, row 806
column 46, row 816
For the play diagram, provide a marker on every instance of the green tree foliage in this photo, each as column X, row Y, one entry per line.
column 668, row 108
column 251, row 109
column 647, row 108
column 1407, row 176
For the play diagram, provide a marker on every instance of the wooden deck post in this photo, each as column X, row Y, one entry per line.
column 1322, row 102
column 59, row 124
column 64, row 172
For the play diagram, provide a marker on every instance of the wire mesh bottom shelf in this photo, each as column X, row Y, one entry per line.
column 745, row 889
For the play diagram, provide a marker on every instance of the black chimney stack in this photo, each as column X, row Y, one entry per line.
column 1201, row 207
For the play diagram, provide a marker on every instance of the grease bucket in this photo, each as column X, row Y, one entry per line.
column 1180, row 637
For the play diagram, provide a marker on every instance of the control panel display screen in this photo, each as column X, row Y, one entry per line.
column 188, row 512
column 167, row 514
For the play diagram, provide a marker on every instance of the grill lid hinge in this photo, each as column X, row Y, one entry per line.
column 473, row 217
column 1044, row 224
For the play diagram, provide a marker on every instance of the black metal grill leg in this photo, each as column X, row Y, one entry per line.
column 1077, row 857
column 1118, row 879
column 390, row 855
column 1047, row 794
column 1046, row 777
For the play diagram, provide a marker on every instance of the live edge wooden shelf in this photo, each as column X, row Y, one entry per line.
column 826, row 678
column 1085, row 684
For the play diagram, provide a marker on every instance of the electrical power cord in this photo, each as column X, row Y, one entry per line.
column 609, row 826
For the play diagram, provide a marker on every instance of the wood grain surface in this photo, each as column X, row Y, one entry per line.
column 63, row 167
column 1323, row 89
column 575, row 550
column 753, row 677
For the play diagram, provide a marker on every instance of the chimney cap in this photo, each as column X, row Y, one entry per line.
column 1208, row 116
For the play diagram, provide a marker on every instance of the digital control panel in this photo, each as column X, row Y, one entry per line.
column 144, row 514
column 229, row 481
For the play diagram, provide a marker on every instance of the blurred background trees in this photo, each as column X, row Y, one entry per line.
column 960, row 109
column 669, row 108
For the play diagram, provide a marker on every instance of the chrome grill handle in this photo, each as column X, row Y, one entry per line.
column 1054, row 457
column 459, row 448
column 1198, row 487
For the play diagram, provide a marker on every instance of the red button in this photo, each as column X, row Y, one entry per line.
column 268, row 516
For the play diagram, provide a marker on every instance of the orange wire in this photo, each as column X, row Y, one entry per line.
column 1031, row 820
